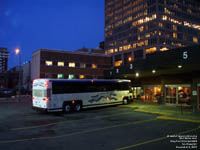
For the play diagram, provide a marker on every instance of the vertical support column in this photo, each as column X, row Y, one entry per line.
column 122, row 58
column 163, row 101
column 198, row 97
column 194, row 95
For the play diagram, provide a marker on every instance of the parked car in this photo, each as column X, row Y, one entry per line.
column 6, row 92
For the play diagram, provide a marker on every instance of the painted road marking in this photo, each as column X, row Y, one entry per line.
column 75, row 133
column 60, row 122
column 178, row 119
column 152, row 112
column 156, row 139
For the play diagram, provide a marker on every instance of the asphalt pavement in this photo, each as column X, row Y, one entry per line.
column 122, row 127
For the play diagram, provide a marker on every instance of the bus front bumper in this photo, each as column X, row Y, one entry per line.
column 46, row 110
column 39, row 109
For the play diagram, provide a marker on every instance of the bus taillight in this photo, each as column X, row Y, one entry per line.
column 46, row 83
column 46, row 99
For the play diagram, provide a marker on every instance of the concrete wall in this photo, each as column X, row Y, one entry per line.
column 35, row 65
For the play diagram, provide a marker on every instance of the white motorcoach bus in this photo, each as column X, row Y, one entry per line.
column 75, row 94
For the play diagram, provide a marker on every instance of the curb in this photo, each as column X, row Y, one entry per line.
column 152, row 112
column 14, row 101
column 177, row 119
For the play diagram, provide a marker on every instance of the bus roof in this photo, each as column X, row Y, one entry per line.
column 85, row 80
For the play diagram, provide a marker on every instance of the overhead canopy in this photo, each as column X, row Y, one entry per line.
column 175, row 61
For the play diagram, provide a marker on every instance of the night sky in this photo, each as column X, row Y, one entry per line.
column 54, row 24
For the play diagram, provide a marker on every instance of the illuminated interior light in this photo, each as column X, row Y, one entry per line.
column 180, row 66
column 61, row 64
column 130, row 59
column 71, row 76
column 81, row 76
column 153, row 71
column 60, row 76
column 137, row 74
column 164, row 49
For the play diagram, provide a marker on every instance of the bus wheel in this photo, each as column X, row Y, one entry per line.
column 77, row 107
column 67, row 108
column 125, row 101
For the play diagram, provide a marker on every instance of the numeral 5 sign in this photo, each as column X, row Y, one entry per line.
column 185, row 55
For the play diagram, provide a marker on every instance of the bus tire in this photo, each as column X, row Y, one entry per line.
column 125, row 101
column 77, row 107
column 66, row 108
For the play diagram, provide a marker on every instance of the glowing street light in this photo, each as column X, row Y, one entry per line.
column 137, row 74
column 17, row 52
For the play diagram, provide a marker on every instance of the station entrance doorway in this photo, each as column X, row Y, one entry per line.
column 174, row 93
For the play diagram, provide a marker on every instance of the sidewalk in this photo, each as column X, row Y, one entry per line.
column 168, row 112
column 22, row 98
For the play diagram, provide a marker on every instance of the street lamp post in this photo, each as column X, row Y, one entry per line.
column 17, row 51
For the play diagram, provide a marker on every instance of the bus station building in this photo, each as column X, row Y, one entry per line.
column 170, row 77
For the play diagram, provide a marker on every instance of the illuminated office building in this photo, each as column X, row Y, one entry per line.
column 134, row 28
column 3, row 59
column 61, row 64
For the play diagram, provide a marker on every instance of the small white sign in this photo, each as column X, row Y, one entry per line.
column 185, row 55
column 131, row 66
column 194, row 93
column 117, row 70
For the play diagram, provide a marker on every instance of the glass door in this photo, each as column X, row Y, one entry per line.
column 148, row 93
column 199, row 96
column 184, row 93
column 171, row 95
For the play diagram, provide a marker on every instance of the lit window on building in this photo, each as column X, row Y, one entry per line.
column 146, row 42
column 160, row 24
column 140, row 29
column 175, row 35
column 120, row 48
column 164, row 49
column 195, row 39
column 144, row 20
column 118, row 63
column 134, row 45
column 71, row 64
column 130, row 59
column 147, row 35
column 191, row 25
column 81, row 76
column 151, row 50
column 110, row 51
column 125, row 47
column 129, row 46
column 94, row 66
column 60, row 63
column 139, row 37
column 174, row 27
column 139, row 44
column 48, row 63
column 60, row 76
column 164, row 17
column 70, row 76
